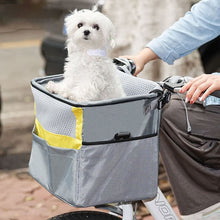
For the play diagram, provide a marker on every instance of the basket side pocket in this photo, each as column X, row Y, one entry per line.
column 64, row 174
column 55, row 169
column 119, row 172
column 39, row 161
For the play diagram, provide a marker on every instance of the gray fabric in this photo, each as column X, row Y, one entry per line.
column 97, row 174
column 139, row 117
column 116, row 172
column 192, row 160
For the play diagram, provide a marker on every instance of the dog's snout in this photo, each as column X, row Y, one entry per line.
column 86, row 32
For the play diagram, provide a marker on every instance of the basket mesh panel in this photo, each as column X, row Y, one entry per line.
column 55, row 116
column 136, row 86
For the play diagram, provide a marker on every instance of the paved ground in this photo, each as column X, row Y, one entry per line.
column 21, row 197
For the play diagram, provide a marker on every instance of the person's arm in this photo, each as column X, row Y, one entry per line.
column 197, row 27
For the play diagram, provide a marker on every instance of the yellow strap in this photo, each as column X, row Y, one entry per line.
column 78, row 112
column 63, row 141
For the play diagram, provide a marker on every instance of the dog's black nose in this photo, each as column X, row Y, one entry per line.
column 86, row 32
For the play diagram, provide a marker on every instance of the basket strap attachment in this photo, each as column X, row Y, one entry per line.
column 165, row 98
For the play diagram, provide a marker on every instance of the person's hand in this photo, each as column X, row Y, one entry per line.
column 200, row 87
column 142, row 58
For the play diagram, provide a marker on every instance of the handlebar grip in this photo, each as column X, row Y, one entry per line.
column 125, row 65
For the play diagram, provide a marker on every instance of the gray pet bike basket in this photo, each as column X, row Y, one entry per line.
column 99, row 152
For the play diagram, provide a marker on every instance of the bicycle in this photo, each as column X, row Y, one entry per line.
column 158, row 207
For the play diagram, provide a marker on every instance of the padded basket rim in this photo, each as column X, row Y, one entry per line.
column 37, row 84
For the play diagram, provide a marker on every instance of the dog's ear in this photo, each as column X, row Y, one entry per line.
column 68, row 29
column 69, row 15
column 69, row 20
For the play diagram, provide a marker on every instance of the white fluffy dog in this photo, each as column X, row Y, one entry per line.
column 89, row 75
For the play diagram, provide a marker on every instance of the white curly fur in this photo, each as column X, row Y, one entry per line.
column 89, row 75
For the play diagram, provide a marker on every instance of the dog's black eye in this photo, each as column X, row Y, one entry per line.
column 80, row 25
column 95, row 26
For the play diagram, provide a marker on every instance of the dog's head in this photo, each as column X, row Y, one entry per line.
column 89, row 30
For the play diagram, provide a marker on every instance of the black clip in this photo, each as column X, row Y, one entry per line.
column 164, row 99
column 122, row 136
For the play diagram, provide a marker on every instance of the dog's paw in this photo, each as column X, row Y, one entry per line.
column 72, row 97
column 51, row 86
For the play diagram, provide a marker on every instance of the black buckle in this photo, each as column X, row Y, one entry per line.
column 122, row 136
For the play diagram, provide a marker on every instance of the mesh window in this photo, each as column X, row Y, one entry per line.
column 55, row 116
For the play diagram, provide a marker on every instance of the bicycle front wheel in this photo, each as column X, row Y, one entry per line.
column 85, row 215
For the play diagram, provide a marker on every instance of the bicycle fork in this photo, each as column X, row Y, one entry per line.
column 159, row 208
